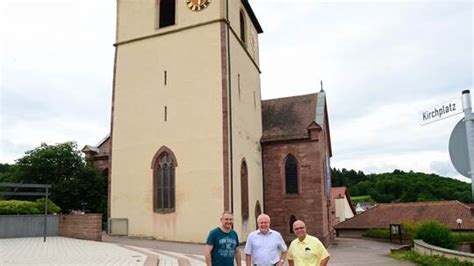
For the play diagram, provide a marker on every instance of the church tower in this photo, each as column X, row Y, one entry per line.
column 186, row 117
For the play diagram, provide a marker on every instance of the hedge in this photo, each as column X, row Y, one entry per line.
column 11, row 207
column 428, row 260
column 377, row 233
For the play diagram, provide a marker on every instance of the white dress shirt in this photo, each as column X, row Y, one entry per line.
column 265, row 249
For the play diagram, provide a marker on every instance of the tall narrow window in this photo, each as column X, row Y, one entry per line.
column 244, row 188
column 164, row 181
column 242, row 26
column 167, row 12
column 165, row 77
column 291, row 175
column 166, row 113
column 238, row 84
column 254, row 101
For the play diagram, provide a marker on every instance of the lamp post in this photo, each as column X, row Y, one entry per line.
column 459, row 222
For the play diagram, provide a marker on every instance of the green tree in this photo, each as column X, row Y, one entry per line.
column 73, row 182
column 400, row 186
column 7, row 172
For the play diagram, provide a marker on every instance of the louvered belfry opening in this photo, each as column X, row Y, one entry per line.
column 167, row 13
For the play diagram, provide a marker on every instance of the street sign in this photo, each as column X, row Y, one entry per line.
column 458, row 149
column 441, row 111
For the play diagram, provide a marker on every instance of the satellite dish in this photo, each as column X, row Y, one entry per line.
column 458, row 149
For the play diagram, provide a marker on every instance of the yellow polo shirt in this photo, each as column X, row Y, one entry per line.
column 310, row 251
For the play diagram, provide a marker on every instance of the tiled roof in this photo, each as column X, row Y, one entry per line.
column 252, row 16
column 89, row 148
column 106, row 138
column 288, row 118
column 382, row 215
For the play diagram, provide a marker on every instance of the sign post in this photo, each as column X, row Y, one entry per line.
column 461, row 142
column 441, row 111
column 469, row 122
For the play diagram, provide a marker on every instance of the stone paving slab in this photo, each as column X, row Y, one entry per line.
column 344, row 251
column 65, row 251
column 167, row 258
column 127, row 251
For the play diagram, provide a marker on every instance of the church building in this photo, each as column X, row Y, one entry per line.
column 190, row 136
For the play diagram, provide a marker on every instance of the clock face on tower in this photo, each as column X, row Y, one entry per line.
column 197, row 5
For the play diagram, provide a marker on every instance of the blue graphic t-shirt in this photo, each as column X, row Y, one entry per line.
column 224, row 246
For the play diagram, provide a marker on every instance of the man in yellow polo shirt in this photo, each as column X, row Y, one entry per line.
column 306, row 250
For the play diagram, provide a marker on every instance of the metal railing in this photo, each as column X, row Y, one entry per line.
column 35, row 193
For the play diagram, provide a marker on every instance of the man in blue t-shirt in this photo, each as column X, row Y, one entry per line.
column 222, row 244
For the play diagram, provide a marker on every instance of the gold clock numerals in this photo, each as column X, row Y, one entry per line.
column 197, row 5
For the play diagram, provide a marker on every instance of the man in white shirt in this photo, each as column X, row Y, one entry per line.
column 265, row 246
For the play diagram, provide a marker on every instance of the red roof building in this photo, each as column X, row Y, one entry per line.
column 382, row 215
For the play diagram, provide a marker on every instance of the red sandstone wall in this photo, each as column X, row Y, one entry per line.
column 311, row 204
column 82, row 226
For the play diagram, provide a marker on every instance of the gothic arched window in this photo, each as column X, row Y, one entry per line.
column 244, row 190
column 164, row 190
column 291, row 175
column 167, row 13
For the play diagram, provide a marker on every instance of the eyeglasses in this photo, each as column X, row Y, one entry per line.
column 299, row 228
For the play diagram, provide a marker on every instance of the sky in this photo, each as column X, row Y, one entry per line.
column 381, row 63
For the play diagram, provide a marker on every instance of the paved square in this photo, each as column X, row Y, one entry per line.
column 61, row 250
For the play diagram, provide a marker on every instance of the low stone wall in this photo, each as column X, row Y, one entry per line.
column 426, row 249
column 466, row 247
column 82, row 226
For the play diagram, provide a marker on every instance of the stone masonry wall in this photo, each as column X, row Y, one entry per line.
column 310, row 204
column 82, row 226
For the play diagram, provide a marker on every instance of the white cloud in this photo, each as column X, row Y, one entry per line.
column 28, row 134
column 390, row 137
column 381, row 62
column 56, row 63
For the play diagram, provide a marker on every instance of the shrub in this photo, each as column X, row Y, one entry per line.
column 377, row 233
column 52, row 207
column 464, row 236
column 428, row 260
column 18, row 207
column 436, row 233
column 11, row 207
column 409, row 229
